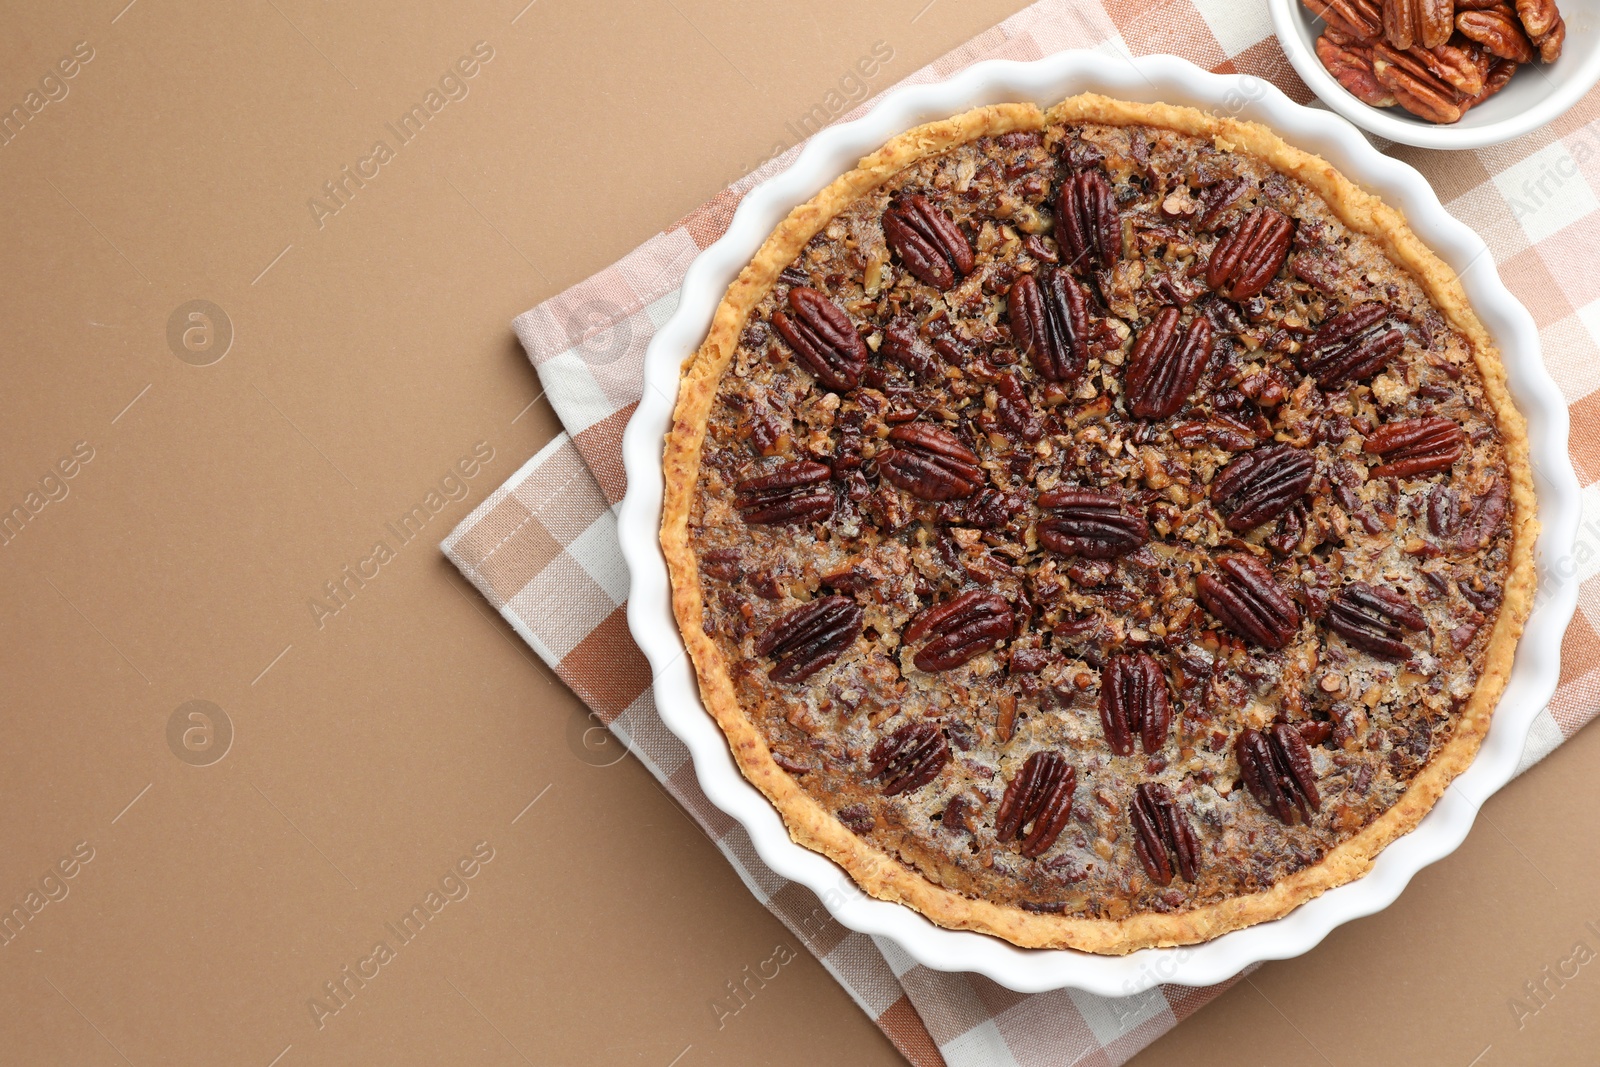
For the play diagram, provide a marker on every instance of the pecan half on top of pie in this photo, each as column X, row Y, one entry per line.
column 1103, row 527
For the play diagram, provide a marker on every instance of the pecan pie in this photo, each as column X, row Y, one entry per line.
column 1103, row 527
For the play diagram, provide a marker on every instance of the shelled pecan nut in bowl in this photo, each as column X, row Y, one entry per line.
column 1430, row 59
column 1442, row 73
column 1102, row 527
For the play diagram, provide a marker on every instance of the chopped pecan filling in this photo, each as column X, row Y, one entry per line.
column 1096, row 524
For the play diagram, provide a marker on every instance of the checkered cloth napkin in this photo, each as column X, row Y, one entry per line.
column 543, row 548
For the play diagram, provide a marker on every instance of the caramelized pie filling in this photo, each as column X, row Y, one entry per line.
column 1094, row 523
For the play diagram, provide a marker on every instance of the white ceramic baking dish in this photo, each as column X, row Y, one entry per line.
column 1156, row 78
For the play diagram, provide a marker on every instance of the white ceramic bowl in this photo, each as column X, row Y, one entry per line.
column 1536, row 95
column 1046, row 81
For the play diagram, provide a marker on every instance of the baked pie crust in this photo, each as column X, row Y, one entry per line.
column 1127, row 605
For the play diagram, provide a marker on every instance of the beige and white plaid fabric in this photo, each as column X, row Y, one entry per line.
column 543, row 548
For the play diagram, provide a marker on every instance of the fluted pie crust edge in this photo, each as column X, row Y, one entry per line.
column 881, row 875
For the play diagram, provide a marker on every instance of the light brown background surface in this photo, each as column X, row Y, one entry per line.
column 369, row 754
